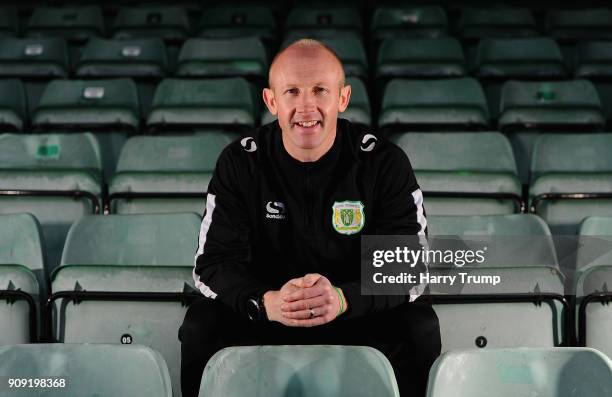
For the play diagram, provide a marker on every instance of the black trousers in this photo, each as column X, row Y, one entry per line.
column 408, row 335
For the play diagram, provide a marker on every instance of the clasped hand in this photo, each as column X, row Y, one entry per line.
column 305, row 302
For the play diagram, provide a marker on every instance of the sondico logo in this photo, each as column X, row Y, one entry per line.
column 368, row 142
column 248, row 144
column 275, row 210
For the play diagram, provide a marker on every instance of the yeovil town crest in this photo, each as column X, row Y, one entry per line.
column 348, row 216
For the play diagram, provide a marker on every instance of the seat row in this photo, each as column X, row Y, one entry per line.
column 173, row 23
column 476, row 173
column 60, row 177
column 536, row 57
column 116, row 106
column 127, row 279
column 234, row 103
column 141, row 372
column 493, row 61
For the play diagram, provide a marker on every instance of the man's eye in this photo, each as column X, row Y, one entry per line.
column 292, row 91
column 320, row 90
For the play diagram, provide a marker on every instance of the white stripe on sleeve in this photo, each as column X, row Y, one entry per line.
column 418, row 290
column 418, row 201
column 210, row 207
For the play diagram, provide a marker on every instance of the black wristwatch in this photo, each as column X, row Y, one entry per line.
column 256, row 310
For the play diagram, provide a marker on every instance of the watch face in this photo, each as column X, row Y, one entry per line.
column 252, row 308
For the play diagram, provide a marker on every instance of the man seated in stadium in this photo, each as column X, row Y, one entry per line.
column 279, row 248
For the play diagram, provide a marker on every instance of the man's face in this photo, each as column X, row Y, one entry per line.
column 306, row 95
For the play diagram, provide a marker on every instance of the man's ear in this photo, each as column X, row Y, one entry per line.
column 345, row 96
column 269, row 100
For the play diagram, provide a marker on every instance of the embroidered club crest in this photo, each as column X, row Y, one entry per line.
column 348, row 217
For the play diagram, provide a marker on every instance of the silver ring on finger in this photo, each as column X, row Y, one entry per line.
column 312, row 313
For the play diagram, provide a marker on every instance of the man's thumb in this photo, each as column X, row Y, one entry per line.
column 310, row 279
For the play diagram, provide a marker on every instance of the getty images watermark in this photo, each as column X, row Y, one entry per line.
column 410, row 257
column 452, row 265
column 480, row 263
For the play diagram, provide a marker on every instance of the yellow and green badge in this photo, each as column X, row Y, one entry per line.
column 348, row 217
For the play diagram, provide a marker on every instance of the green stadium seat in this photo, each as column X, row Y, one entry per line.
column 87, row 370
column 35, row 61
column 188, row 104
column 76, row 24
column 556, row 372
column 65, row 170
column 427, row 21
column 235, row 20
column 500, row 60
column 151, row 255
column 243, row 56
column 482, row 23
column 493, row 225
column 594, row 270
column 358, row 111
column 569, row 164
column 352, row 53
column 137, row 58
column 433, row 104
column 420, row 58
column 350, row 50
column 582, row 24
column 88, row 104
column 44, row 58
column 521, row 252
column 22, row 271
column 464, row 173
column 13, row 108
column 528, row 108
column 305, row 371
column 143, row 60
column 526, row 58
column 109, row 108
column 9, row 22
column 179, row 167
column 168, row 23
column 572, row 26
column 329, row 20
column 593, row 61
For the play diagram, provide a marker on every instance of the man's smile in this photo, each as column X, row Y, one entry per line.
column 307, row 124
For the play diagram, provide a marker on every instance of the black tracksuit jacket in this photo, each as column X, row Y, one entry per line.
column 270, row 218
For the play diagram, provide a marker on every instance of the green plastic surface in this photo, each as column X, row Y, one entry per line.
column 43, row 58
column 426, row 21
column 525, row 57
column 480, row 23
column 434, row 102
column 550, row 103
column 88, row 370
column 73, row 23
column 557, row 372
column 412, row 57
column 228, row 101
column 223, row 57
column 12, row 104
column 168, row 23
column 122, row 58
column 94, row 103
column 307, row 371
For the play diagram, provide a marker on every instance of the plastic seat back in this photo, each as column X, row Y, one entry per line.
column 84, row 369
column 299, row 370
column 558, row 372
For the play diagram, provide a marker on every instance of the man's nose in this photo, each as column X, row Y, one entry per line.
column 306, row 103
